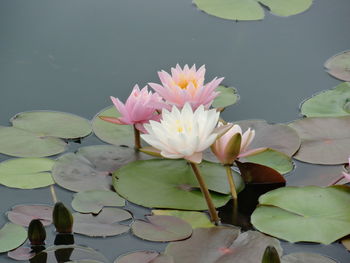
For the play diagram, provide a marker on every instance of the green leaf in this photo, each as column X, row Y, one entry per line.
column 171, row 184
column 94, row 200
column 287, row 7
column 330, row 103
column 26, row 173
column 324, row 218
column 227, row 97
column 306, row 258
column 11, row 237
column 196, row 219
column 339, row 65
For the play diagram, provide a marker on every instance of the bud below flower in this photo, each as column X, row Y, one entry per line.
column 270, row 255
column 62, row 218
column 36, row 233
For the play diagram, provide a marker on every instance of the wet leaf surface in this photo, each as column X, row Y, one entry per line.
column 306, row 258
column 324, row 140
column 195, row 219
column 227, row 97
column 144, row 257
column 339, row 65
column 285, row 214
column 11, row 237
column 23, row 214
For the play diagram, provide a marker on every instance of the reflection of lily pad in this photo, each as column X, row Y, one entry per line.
column 106, row 223
column 11, row 237
column 306, row 258
column 251, row 9
column 196, row 219
column 324, row 140
column 110, row 132
column 339, row 65
column 26, row 173
column 324, row 218
column 227, row 97
column 94, row 200
column 171, row 184
column 330, row 103
column 23, row 214
column 162, row 228
column 144, row 257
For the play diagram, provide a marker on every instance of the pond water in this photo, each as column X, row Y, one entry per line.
column 72, row 55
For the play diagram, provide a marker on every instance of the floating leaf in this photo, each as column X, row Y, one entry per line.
column 26, row 173
column 21, row 253
column 106, row 223
column 94, row 200
column 251, row 9
column 162, row 228
column 278, row 161
column 110, row 132
column 306, row 258
column 339, row 65
column 195, row 219
column 53, row 124
column 324, row 218
column 11, row 237
column 279, row 137
column 24, row 214
column 329, row 103
column 221, row 244
column 144, row 257
column 171, row 184
column 227, row 97
column 324, row 140
column 90, row 168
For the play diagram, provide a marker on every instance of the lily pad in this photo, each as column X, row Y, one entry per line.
column 24, row 214
column 106, row 223
column 195, row 219
column 306, row 258
column 110, row 132
column 26, row 173
column 21, row 253
column 51, row 123
column 279, row 137
column 163, row 183
column 324, row 218
column 329, row 103
column 339, row 65
column 251, row 9
column 20, row 143
column 162, row 228
column 144, row 257
column 94, row 200
column 227, row 97
column 221, row 244
column 324, row 140
column 91, row 167
column 11, row 237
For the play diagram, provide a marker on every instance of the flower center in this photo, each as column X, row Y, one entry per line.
column 185, row 81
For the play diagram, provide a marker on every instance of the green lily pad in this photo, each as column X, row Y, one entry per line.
column 21, row 143
column 339, row 65
column 306, row 258
column 26, row 173
column 221, row 244
column 53, row 124
column 324, row 218
column 110, row 132
column 227, row 97
column 278, row 161
column 94, row 200
column 161, row 228
column 330, row 103
column 251, row 9
column 324, row 140
column 106, row 223
column 144, row 257
column 195, row 219
column 24, row 214
column 163, row 183
column 11, row 237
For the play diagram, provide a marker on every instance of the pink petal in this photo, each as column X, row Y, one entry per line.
column 195, row 158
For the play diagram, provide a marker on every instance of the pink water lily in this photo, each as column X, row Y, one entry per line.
column 186, row 85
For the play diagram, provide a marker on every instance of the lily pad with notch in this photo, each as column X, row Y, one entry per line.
column 144, row 257
column 339, row 65
column 227, row 97
column 24, row 214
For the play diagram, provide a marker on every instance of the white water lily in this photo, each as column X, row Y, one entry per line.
column 183, row 134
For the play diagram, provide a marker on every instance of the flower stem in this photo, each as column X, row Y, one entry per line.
column 204, row 189
column 337, row 181
column 137, row 138
column 233, row 193
column 53, row 194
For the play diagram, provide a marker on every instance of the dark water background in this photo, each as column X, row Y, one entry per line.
column 71, row 55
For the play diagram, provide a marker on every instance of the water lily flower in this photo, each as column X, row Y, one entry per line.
column 186, row 86
column 345, row 175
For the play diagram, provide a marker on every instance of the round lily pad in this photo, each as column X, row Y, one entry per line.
column 51, row 123
column 112, row 133
column 162, row 228
column 94, row 200
column 324, row 218
column 106, row 223
column 339, row 65
column 306, row 258
column 324, row 140
column 24, row 214
column 329, row 103
column 195, row 219
column 227, row 97
column 21, row 143
column 163, row 183
column 26, row 173
column 144, row 257
column 11, row 237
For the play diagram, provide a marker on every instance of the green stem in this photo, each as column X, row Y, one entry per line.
column 53, row 194
column 137, row 138
column 233, row 193
column 204, row 189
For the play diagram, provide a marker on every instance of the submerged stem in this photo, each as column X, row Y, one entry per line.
column 137, row 138
column 337, row 181
column 233, row 193
column 204, row 189
column 53, row 194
